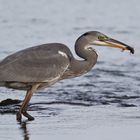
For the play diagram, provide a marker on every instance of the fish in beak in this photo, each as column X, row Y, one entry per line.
column 117, row 44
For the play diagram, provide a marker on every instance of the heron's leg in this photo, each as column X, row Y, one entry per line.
column 24, row 105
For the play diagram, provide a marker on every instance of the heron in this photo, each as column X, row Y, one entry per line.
column 41, row 66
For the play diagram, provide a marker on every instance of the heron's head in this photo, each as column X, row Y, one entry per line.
column 97, row 38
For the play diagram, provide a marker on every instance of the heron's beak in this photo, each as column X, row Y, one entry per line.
column 117, row 44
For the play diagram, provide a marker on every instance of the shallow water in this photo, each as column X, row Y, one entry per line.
column 105, row 101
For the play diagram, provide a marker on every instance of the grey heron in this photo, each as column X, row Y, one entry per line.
column 42, row 66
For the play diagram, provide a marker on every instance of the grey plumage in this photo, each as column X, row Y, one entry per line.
column 36, row 64
column 41, row 66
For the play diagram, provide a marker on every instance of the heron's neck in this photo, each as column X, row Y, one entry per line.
column 83, row 50
column 79, row 67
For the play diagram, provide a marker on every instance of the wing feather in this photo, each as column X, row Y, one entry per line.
column 36, row 64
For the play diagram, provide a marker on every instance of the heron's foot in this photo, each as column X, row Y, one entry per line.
column 18, row 116
column 30, row 118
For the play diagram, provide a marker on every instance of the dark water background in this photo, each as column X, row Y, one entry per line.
column 109, row 95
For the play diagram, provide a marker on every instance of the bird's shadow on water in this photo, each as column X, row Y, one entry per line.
column 24, row 129
column 10, row 106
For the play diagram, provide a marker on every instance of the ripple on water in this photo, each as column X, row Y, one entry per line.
column 78, row 98
column 112, row 72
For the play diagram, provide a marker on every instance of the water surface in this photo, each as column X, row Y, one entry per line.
column 105, row 101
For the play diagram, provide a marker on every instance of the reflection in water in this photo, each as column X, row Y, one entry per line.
column 23, row 127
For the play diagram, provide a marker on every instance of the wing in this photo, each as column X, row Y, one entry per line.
column 36, row 64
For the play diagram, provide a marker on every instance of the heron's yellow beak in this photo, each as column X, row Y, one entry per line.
column 117, row 44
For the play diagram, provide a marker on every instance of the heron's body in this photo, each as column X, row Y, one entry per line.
column 41, row 66
column 35, row 65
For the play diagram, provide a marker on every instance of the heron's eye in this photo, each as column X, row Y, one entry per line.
column 102, row 38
